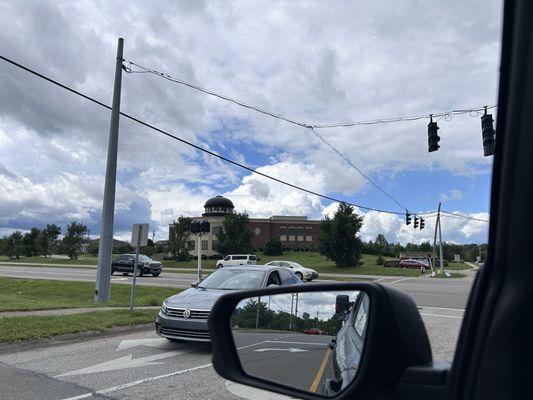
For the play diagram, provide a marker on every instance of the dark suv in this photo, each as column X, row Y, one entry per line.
column 146, row 266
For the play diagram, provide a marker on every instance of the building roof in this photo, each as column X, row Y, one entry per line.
column 219, row 201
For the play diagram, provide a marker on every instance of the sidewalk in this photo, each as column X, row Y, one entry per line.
column 68, row 311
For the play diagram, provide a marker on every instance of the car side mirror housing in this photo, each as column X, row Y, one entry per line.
column 257, row 335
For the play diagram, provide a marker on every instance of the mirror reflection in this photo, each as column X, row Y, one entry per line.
column 312, row 341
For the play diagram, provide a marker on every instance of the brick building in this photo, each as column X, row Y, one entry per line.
column 295, row 232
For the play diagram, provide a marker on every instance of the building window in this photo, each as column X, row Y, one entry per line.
column 205, row 244
column 300, row 238
column 309, row 238
column 300, row 230
column 191, row 245
column 216, row 230
column 292, row 238
column 309, row 231
column 283, row 238
column 283, row 230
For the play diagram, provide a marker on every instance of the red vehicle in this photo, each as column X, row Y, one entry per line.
column 412, row 264
column 314, row 331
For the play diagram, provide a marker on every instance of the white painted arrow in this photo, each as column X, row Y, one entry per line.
column 290, row 350
column 159, row 343
column 123, row 363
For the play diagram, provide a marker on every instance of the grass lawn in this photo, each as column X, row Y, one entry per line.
column 24, row 328
column 84, row 259
column 34, row 294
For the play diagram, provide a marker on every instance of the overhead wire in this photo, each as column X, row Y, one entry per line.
column 197, row 147
column 93, row 100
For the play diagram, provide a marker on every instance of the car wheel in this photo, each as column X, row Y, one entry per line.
column 299, row 275
column 156, row 273
column 125, row 274
column 219, row 266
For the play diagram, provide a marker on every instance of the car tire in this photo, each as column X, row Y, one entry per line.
column 219, row 266
column 156, row 273
column 125, row 273
column 299, row 275
column 139, row 273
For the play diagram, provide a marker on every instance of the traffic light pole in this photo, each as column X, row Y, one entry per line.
column 435, row 241
column 200, row 272
column 105, row 248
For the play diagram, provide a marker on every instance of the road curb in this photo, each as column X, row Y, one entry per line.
column 71, row 338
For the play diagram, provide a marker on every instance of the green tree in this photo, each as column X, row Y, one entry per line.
column 74, row 239
column 47, row 240
column 236, row 235
column 30, row 242
column 13, row 245
column 338, row 237
column 273, row 247
column 179, row 233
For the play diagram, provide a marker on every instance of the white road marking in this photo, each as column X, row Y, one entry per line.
column 290, row 350
column 400, row 280
column 440, row 315
column 122, row 363
column 380, row 279
column 251, row 393
column 159, row 343
column 80, row 396
column 251, row 345
column 139, row 382
column 443, row 308
column 311, row 343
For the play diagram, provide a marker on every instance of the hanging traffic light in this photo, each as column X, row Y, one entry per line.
column 487, row 129
column 416, row 222
column 433, row 137
column 422, row 224
column 407, row 218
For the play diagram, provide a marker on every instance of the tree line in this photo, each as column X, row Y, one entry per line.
column 45, row 242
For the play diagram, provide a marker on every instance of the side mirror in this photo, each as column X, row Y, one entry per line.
column 293, row 339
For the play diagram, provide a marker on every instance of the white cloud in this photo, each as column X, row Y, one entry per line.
column 451, row 195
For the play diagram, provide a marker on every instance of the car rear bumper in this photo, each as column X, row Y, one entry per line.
column 183, row 329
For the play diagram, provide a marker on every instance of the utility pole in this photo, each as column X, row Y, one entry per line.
column 290, row 317
column 257, row 313
column 200, row 274
column 440, row 245
column 435, row 241
column 105, row 248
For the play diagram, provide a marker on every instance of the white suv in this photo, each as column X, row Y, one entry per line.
column 237, row 259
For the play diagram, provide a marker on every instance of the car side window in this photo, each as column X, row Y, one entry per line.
column 288, row 277
column 227, row 258
column 361, row 317
column 274, row 279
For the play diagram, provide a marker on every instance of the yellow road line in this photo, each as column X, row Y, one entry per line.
column 320, row 372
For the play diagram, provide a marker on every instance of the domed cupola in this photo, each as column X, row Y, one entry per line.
column 218, row 206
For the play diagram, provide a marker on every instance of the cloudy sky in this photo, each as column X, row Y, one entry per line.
column 317, row 62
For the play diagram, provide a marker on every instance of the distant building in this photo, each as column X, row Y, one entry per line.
column 294, row 232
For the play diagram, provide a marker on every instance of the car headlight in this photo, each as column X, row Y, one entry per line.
column 164, row 308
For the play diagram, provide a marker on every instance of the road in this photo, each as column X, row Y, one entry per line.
column 447, row 293
column 141, row 365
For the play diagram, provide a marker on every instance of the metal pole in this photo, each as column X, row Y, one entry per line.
column 290, row 317
column 135, row 266
column 105, row 248
column 440, row 249
column 296, row 307
column 435, row 241
column 257, row 313
column 199, row 257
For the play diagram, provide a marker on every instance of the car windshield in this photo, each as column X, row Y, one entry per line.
column 233, row 279
column 295, row 264
column 143, row 258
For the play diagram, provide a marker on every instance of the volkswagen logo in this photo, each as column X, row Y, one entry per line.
column 186, row 313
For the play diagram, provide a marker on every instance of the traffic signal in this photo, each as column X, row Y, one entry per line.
column 416, row 222
column 422, row 223
column 488, row 133
column 433, row 137
column 407, row 218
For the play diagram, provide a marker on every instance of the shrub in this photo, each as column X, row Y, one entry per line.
column 273, row 247
column 380, row 260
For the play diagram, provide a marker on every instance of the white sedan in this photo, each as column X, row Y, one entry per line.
column 299, row 270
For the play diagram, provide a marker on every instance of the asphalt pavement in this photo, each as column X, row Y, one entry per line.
column 141, row 365
column 431, row 292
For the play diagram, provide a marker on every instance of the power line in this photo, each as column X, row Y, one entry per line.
column 448, row 115
column 463, row 216
column 63, row 86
